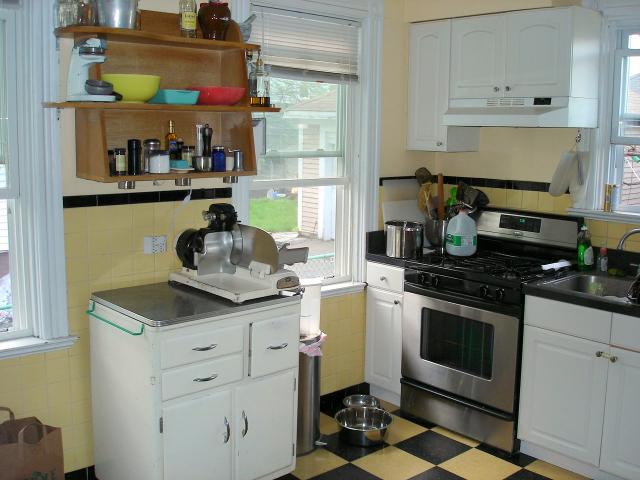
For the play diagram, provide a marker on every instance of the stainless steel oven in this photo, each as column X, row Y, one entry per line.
column 466, row 351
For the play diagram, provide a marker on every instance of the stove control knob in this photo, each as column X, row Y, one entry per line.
column 500, row 294
column 484, row 291
column 423, row 279
column 435, row 281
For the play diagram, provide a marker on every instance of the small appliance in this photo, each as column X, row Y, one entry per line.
column 234, row 261
column 84, row 54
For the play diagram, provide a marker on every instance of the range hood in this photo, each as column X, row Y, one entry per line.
column 571, row 112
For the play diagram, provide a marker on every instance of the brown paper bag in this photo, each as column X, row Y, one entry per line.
column 30, row 450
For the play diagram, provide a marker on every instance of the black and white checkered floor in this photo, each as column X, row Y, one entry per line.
column 417, row 450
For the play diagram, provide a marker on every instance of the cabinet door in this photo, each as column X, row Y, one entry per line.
column 429, row 53
column 197, row 437
column 620, row 446
column 264, row 426
column 538, row 53
column 562, row 393
column 274, row 344
column 384, row 339
column 478, row 57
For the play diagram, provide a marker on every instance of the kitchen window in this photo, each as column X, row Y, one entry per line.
column 33, row 314
column 314, row 187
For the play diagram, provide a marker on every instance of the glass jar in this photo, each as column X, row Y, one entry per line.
column 214, row 18
column 66, row 13
column 219, row 158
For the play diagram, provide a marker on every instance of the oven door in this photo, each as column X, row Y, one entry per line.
column 460, row 349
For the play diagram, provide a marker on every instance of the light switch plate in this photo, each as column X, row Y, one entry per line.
column 155, row 244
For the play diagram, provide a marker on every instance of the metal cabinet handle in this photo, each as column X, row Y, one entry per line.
column 599, row 353
column 396, row 302
column 277, row 347
column 227, row 434
column 204, row 349
column 507, row 88
column 439, row 144
column 206, row 379
column 246, row 424
column 383, row 278
column 496, row 89
column 613, row 359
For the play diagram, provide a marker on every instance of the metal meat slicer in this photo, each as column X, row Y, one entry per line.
column 235, row 261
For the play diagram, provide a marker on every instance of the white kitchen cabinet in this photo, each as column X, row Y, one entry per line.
column 263, row 419
column 180, row 401
column 478, row 57
column 562, row 394
column 197, row 437
column 429, row 54
column 579, row 390
column 383, row 349
column 620, row 447
column 538, row 53
column 549, row 52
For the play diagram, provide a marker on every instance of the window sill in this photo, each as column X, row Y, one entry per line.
column 26, row 346
column 621, row 217
column 343, row 288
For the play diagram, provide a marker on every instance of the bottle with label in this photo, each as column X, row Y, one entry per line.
column 603, row 260
column 188, row 10
column 259, row 84
column 585, row 250
column 171, row 141
column 462, row 235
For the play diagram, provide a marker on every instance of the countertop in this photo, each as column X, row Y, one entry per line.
column 543, row 288
column 164, row 304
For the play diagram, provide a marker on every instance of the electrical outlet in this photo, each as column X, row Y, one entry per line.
column 155, row 244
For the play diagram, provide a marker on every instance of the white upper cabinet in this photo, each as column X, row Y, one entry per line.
column 429, row 55
column 538, row 53
column 550, row 52
column 478, row 57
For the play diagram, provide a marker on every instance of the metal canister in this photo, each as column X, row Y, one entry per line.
column 199, row 140
column 149, row 145
column 404, row 239
column 238, row 161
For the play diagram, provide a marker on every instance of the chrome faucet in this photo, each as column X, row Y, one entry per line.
column 624, row 237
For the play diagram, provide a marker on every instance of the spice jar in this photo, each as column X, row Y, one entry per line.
column 219, row 158
column 214, row 20
column 121, row 161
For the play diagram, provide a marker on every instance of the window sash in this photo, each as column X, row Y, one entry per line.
column 8, row 70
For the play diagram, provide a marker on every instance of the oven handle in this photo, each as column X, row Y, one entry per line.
column 466, row 300
column 456, row 399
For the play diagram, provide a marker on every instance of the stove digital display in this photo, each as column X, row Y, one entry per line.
column 523, row 224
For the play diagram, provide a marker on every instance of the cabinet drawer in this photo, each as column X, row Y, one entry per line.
column 201, row 376
column 625, row 332
column 274, row 345
column 384, row 276
column 568, row 318
column 200, row 346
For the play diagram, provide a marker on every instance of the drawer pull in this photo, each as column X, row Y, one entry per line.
column 277, row 347
column 599, row 354
column 204, row 349
column 206, row 379
column 246, row 424
column 383, row 278
column 613, row 359
column 227, row 435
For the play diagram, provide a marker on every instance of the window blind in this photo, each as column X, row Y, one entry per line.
column 294, row 41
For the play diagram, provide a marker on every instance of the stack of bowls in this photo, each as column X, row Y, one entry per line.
column 363, row 423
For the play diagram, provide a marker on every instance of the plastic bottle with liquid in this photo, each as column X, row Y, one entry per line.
column 462, row 235
column 585, row 250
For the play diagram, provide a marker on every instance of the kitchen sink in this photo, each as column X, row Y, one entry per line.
column 594, row 285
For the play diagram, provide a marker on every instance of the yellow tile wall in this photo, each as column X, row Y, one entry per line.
column 103, row 251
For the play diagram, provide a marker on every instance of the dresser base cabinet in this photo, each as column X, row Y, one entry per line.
column 161, row 411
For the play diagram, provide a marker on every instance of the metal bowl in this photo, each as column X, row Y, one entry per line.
column 361, row 401
column 363, row 426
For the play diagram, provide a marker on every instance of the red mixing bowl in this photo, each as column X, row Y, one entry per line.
column 219, row 95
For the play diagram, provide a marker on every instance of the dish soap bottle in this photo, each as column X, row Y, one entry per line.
column 603, row 260
column 585, row 250
column 462, row 235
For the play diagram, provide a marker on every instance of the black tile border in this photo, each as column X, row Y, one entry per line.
column 484, row 182
column 77, row 201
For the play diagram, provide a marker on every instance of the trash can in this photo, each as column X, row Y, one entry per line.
column 309, row 393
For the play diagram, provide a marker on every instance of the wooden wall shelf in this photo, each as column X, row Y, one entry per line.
column 158, row 49
column 159, row 107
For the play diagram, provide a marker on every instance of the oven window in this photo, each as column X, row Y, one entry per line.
column 457, row 342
